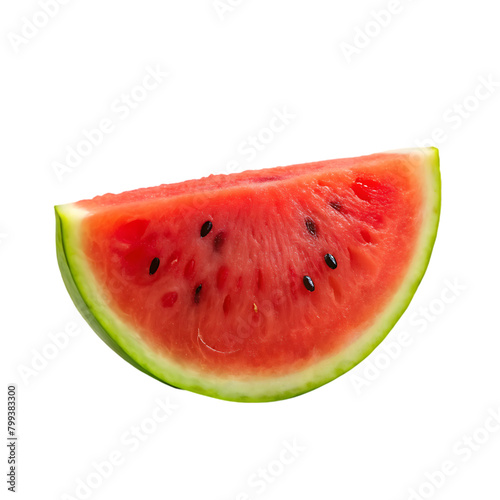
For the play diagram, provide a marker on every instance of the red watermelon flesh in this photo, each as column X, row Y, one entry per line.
column 258, row 285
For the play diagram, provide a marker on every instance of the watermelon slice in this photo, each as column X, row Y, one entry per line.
column 255, row 286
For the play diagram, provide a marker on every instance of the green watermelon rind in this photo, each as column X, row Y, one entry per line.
column 81, row 304
column 93, row 305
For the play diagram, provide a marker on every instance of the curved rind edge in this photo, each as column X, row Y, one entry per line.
column 86, row 296
column 76, row 296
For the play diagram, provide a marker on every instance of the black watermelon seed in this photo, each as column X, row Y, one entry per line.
column 308, row 283
column 155, row 264
column 336, row 205
column 219, row 240
column 310, row 225
column 330, row 261
column 197, row 293
column 206, row 228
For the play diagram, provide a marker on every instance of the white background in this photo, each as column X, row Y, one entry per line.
column 378, row 430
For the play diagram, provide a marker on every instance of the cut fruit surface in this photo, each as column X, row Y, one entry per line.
column 255, row 286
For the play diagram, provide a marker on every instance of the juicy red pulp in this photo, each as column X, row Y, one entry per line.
column 236, row 299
